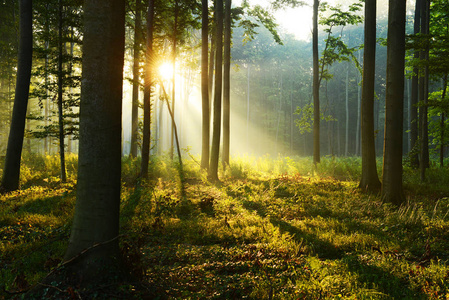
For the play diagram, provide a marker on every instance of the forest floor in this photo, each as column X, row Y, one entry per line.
column 270, row 230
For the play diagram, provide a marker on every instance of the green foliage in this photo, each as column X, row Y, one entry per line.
column 271, row 229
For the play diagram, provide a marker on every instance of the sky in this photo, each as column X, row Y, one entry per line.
column 298, row 21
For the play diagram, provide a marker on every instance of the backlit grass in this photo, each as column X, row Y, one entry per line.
column 272, row 229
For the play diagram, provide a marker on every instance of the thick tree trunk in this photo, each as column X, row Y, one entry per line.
column 96, row 220
column 392, row 166
column 316, row 87
column 227, row 85
column 60, row 99
column 370, row 180
column 11, row 171
column 214, row 157
column 136, row 81
column 205, row 86
column 146, row 134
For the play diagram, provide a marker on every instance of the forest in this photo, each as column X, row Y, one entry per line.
column 188, row 149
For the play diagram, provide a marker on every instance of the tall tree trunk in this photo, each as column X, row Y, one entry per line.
column 60, row 99
column 136, row 81
column 96, row 219
column 205, row 97
column 174, row 49
column 359, row 107
column 370, row 180
column 316, row 86
column 247, row 107
column 227, row 85
column 392, row 166
column 414, row 154
column 347, row 111
column 424, row 94
column 442, row 123
column 214, row 155
column 146, row 134
column 11, row 171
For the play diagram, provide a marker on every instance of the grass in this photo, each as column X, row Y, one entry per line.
column 272, row 229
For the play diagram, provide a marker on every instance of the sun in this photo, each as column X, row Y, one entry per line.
column 166, row 70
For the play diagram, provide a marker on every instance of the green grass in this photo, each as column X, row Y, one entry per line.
column 272, row 229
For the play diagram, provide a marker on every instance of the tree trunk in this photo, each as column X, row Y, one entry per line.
column 11, row 171
column 214, row 157
column 227, row 85
column 60, row 90
column 146, row 134
column 174, row 49
column 136, row 81
column 347, row 111
column 96, row 219
column 205, row 86
column 442, row 124
column 370, row 180
column 424, row 94
column 359, row 108
column 392, row 166
column 316, row 87
column 414, row 154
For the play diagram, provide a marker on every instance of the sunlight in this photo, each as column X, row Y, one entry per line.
column 166, row 70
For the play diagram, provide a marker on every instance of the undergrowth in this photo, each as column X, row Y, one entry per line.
column 271, row 229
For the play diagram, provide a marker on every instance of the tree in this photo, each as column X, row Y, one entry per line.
column 215, row 149
column 370, row 180
column 146, row 134
column 136, row 79
column 11, row 173
column 392, row 157
column 205, row 86
column 226, row 84
column 93, row 245
column 60, row 94
column 316, row 86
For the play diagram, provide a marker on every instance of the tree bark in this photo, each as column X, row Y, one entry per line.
column 414, row 155
column 60, row 96
column 227, row 85
column 214, row 157
column 424, row 94
column 146, row 134
column 370, row 180
column 136, row 81
column 96, row 220
column 316, row 86
column 11, row 171
column 392, row 166
column 205, row 85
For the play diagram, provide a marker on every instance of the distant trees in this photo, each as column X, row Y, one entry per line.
column 11, row 173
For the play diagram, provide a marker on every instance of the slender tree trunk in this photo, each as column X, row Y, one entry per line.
column 414, row 154
column 424, row 94
column 247, row 108
column 347, row 111
column 442, row 123
column 316, row 86
column 205, row 86
column 392, row 166
column 136, row 81
column 211, row 72
column 175, row 34
column 146, row 134
column 11, row 171
column 370, row 180
column 227, row 85
column 359, row 109
column 60, row 99
column 213, row 167
column 96, row 219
